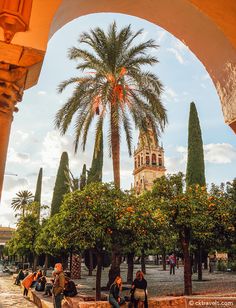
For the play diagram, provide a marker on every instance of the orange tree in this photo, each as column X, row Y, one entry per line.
column 140, row 222
column 189, row 214
column 88, row 219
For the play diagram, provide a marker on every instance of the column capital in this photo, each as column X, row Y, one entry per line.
column 12, row 82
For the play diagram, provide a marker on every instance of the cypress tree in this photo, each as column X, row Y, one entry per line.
column 95, row 172
column 195, row 173
column 61, row 185
column 83, row 178
column 37, row 196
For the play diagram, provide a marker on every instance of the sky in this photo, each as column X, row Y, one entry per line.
column 34, row 142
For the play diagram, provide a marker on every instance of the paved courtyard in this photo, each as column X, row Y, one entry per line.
column 160, row 283
column 11, row 295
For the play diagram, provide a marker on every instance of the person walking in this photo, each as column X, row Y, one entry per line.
column 139, row 291
column 114, row 296
column 172, row 262
column 58, row 285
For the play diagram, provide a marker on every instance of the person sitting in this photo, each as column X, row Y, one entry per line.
column 19, row 277
column 114, row 296
column 40, row 285
column 139, row 291
column 70, row 287
column 49, row 285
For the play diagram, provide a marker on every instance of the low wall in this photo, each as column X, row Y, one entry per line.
column 213, row 301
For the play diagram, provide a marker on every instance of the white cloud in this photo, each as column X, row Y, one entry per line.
column 41, row 93
column 170, row 95
column 219, row 153
column 17, row 157
column 177, row 55
column 160, row 35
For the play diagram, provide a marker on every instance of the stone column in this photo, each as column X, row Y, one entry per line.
column 12, row 80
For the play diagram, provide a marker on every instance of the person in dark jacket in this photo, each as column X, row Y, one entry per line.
column 114, row 296
column 70, row 287
column 19, row 277
column 139, row 291
column 40, row 285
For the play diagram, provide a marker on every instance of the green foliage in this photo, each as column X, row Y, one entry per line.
column 95, row 172
column 83, row 178
column 195, row 173
column 61, row 185
column 37, row 196
column 119, row 87
column 24, row 238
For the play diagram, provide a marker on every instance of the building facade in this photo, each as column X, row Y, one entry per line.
column 148, row 162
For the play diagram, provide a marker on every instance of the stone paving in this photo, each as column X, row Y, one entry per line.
column 12, row 295
column 160, row 283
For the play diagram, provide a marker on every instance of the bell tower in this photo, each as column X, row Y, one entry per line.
column 148, row 162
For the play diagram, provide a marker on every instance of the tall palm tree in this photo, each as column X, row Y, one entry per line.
column 23, row 199
column 113, row 83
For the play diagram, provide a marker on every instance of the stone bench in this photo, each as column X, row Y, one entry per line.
column 86, row 301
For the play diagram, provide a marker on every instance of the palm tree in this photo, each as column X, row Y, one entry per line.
column 113, row 83
column 23, row 199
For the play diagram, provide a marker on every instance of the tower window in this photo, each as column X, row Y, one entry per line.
column 141, row 160
column 160, row 161
column 135, row 163
column 154, row 159
column 147, row 160
column 138, row 161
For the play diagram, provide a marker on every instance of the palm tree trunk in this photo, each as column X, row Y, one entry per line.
column 115, row 144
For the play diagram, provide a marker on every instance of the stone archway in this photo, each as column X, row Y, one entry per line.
column 206, row 27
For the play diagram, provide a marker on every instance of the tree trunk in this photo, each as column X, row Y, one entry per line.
column 130, row 262
column 45, row 268
column 195, row 262
column 143, row 265
column 185, row 240
column 115, row 265
column 35, row 262
column 199, row 271
column 90, row 273
column 98, row 276
column 157, row 260
column 64, row 261
column 164, row 259
column 115, row 144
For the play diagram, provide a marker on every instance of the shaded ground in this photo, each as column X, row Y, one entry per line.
column 160, row 283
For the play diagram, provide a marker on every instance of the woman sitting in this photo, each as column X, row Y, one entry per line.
column 114, row 296
column 40, row 285
column 139, row 291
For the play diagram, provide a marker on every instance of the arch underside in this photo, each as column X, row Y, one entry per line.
column 206, row 27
